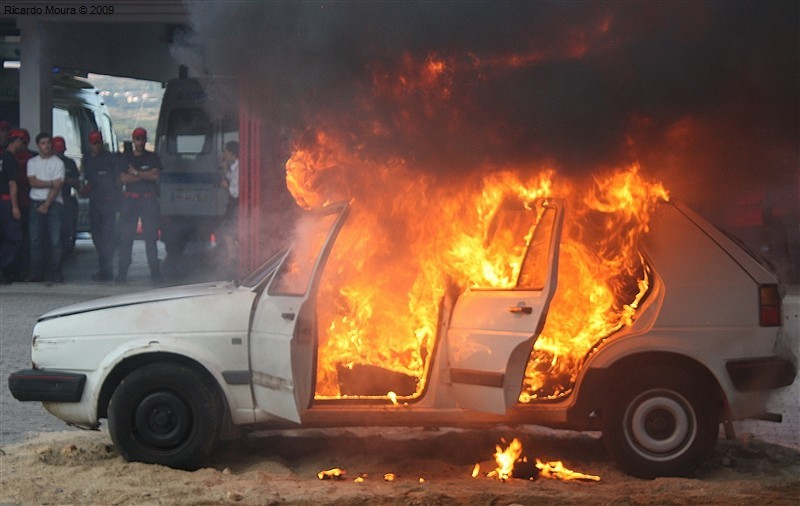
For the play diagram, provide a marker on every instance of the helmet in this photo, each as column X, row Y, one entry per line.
column 59, row 144
column 16, row 133
column 95, row 137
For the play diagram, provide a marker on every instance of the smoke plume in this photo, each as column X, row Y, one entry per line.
column 703, row 94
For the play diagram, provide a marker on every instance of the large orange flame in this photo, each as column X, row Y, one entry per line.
column 415, row 239
column 409, row 240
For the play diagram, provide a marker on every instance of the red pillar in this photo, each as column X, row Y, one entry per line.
column 250, row 137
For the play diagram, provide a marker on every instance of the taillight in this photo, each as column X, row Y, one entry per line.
column 769, row 302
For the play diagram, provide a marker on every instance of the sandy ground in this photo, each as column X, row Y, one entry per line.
column 431, row 467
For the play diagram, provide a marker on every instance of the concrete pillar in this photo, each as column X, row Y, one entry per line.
column 35, row 78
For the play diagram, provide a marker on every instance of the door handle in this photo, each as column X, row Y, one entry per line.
column 521, row 309
column 287, row 316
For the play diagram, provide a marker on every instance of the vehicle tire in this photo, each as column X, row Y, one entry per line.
column 661, row 422
column 166, row 413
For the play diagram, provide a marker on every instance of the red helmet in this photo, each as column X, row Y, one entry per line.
column 95, row 137
column 16, row 134
column 59, row 145
column 139, row 132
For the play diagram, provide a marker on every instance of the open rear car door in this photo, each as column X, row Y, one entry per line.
column 492, row 331
column 282, row 336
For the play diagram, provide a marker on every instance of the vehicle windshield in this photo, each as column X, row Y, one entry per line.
column 264, row 270
column 189, row 132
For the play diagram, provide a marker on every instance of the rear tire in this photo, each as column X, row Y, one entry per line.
column 166, row 413
column 661, row 422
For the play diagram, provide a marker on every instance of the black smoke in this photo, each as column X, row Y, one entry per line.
column 703, row 94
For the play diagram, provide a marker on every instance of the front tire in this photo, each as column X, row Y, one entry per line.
column 166, row 413
column 662, row 422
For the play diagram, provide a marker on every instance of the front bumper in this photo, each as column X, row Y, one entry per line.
column 46, row 385
column 761, row 373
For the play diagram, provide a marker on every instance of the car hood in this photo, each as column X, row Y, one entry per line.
column 175, row 292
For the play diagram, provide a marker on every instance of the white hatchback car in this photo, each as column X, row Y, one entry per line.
column 176, row 369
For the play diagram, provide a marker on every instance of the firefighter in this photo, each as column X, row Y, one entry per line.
column 139, row 201
column 102, row 172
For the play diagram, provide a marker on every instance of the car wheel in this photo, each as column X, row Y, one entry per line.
column 166, row 414
column 662, row 422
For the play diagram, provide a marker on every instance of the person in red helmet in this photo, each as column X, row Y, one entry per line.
column 102, row 172
column 72, row 177
column 18, row 270
column 139, row 201
column 10, row 214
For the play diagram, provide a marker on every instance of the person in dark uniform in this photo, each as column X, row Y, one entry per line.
column 139, row 200
column 18, row 270
column 71, row 180
column 101, row 171
column 10, row 214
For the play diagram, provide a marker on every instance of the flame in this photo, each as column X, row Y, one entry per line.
column 602, row 279
column 414, row 241
column 555, row 470
column 331, row 474
column 505, row 460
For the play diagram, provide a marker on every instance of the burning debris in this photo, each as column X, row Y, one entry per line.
column 511, row 463
column 332, row 474
column 556, row 470
column 339, row 474
column 373, row 381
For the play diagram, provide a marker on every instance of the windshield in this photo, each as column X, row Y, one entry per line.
column 189, row 132
column 264, row 270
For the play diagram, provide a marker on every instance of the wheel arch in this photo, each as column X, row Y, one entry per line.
column 130, row 364
column 600, row 383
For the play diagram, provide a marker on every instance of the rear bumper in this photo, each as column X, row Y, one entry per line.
column 46, row 385
column 761, row 373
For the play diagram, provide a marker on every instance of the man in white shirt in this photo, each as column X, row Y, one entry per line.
column 45, row 175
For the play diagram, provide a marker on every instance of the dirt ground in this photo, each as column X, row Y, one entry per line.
column 430, row 467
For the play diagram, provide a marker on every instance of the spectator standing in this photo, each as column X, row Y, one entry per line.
column 10, row 214
column 139, row 201
column 19, row 267
column 45, row 176
column 102, row 172
column 69, row 213
column 230, row 180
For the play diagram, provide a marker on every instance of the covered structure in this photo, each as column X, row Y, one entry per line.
column 134, row 39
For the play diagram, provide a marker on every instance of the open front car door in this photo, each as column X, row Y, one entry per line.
column 492, row 331
column 282, row 337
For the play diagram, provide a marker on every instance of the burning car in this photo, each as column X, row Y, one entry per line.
column 682, row 332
